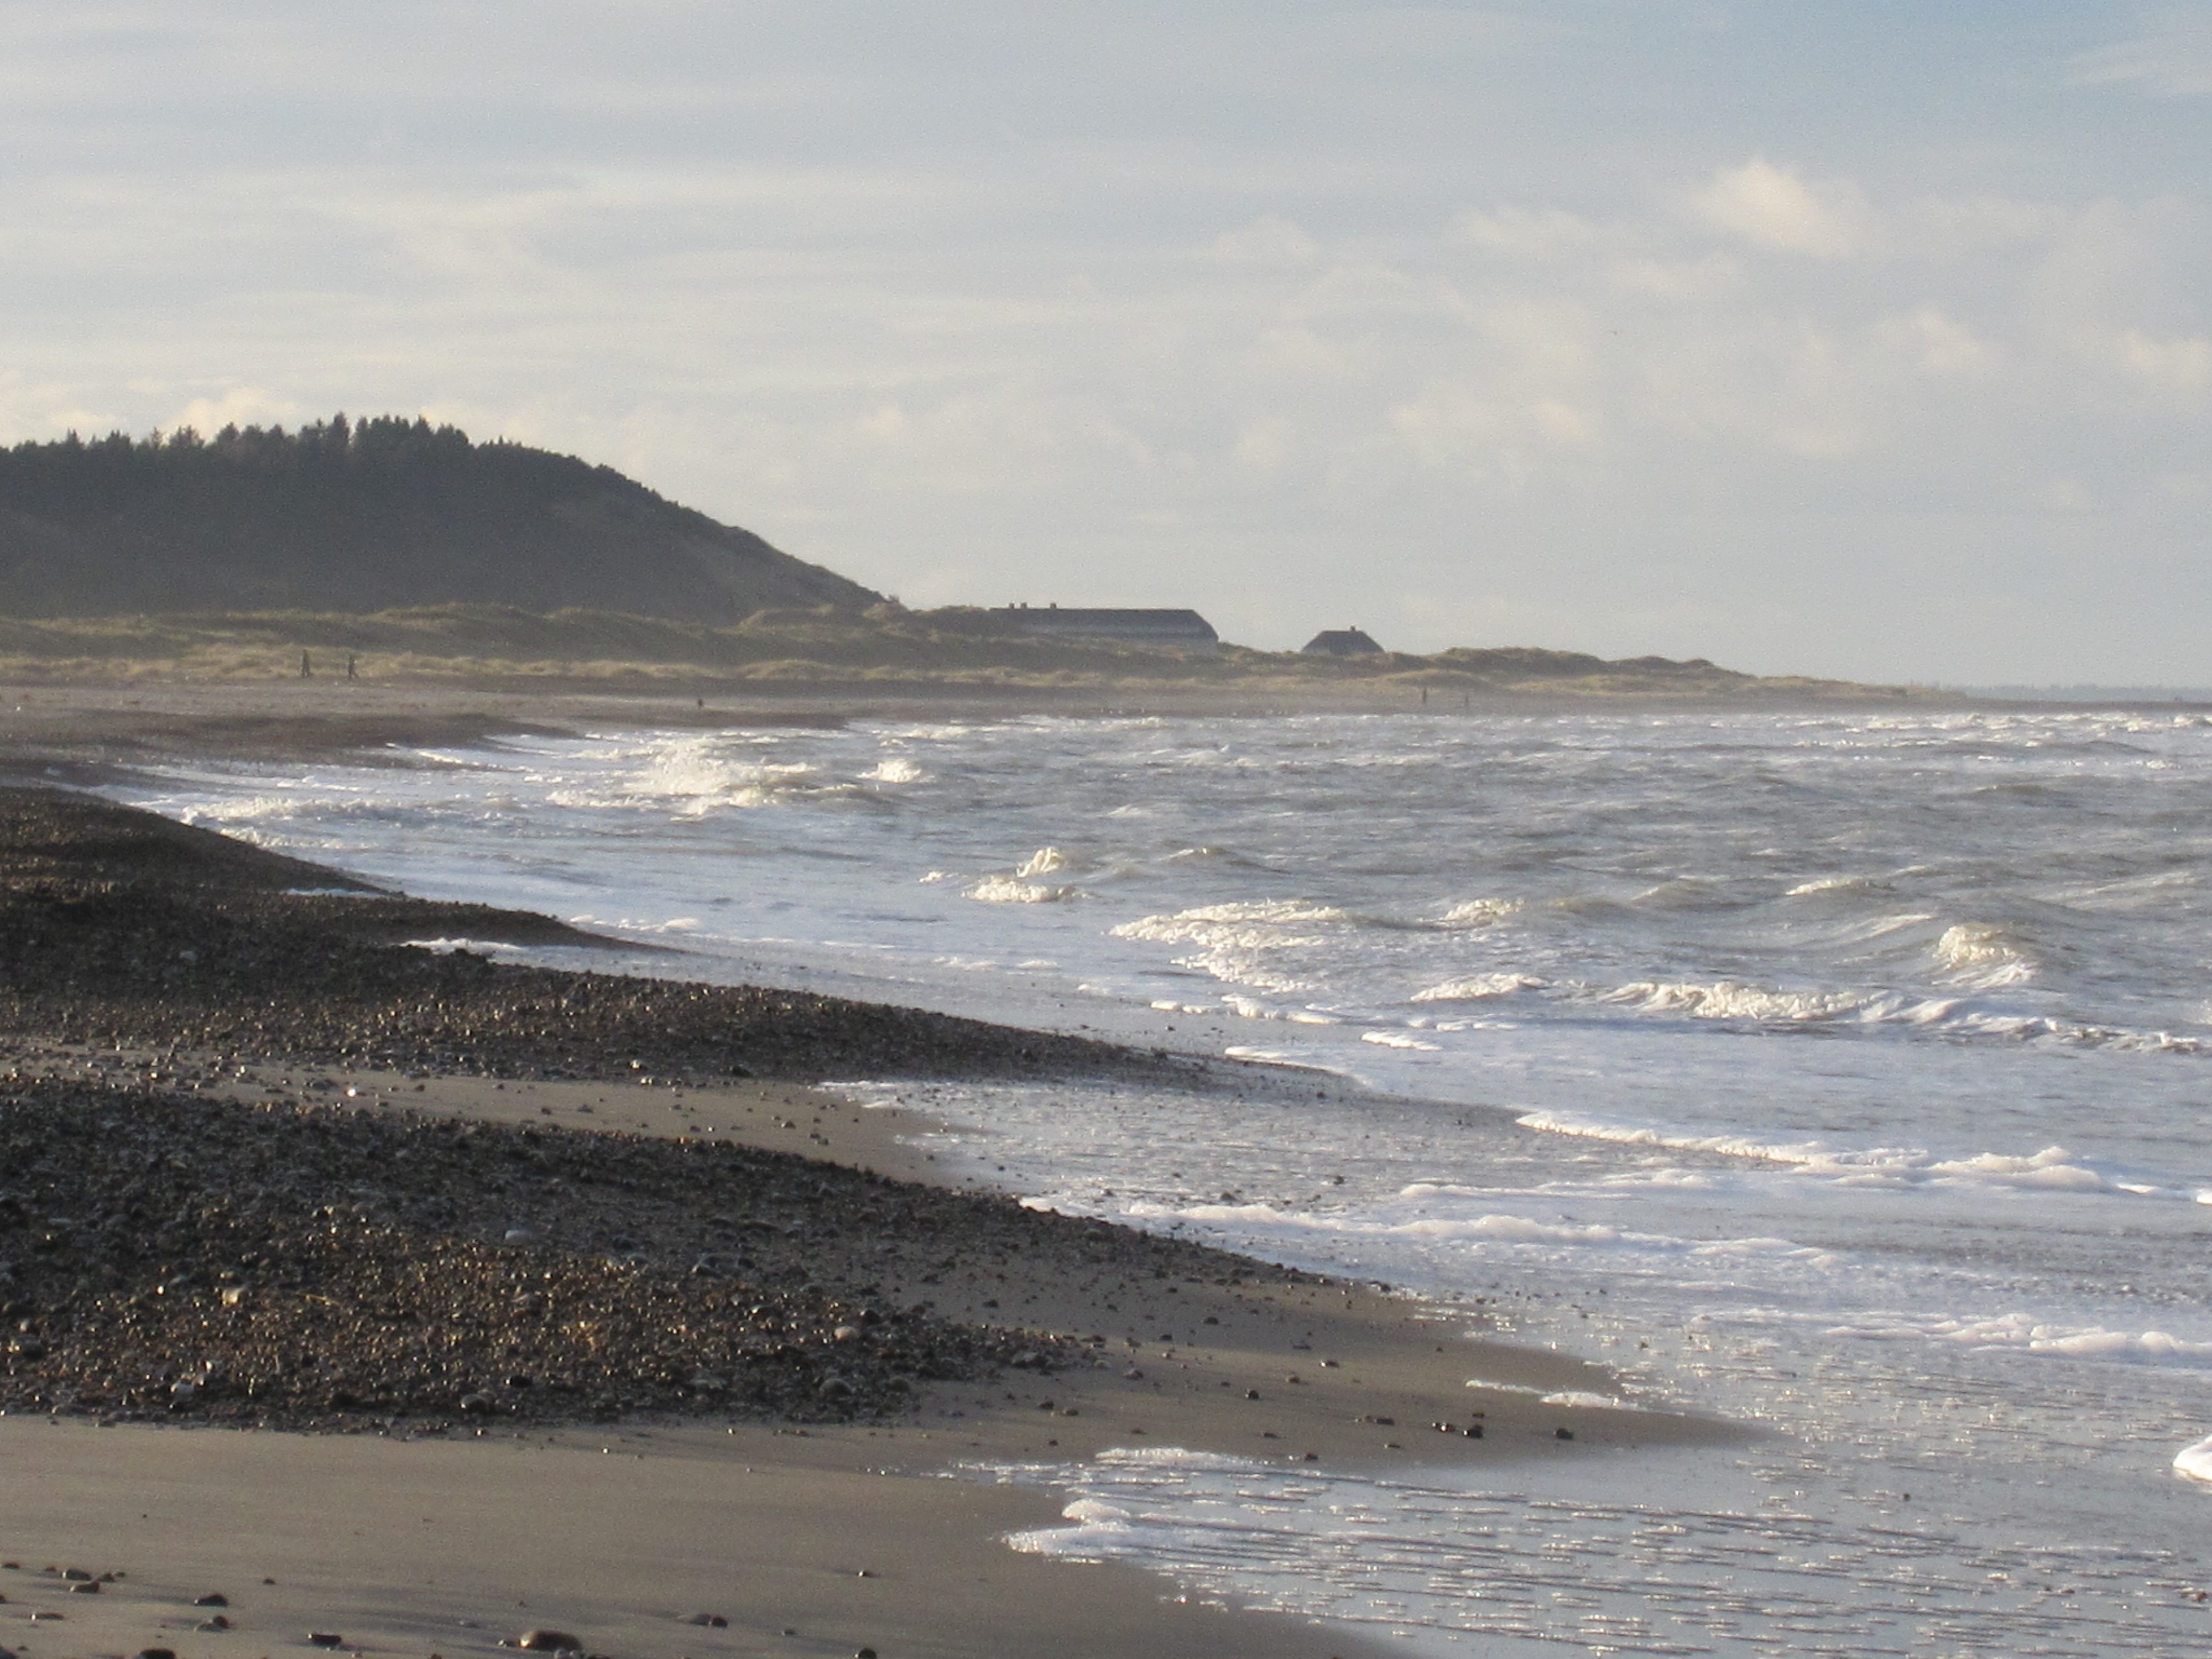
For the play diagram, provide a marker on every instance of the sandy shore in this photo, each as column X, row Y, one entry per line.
column 426, row 1530
column 803, row 1547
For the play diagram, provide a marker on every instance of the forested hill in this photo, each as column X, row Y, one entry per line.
column 365, row 516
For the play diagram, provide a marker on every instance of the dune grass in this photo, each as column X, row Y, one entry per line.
column 886, row 649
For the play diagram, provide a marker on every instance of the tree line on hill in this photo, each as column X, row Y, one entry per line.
column 366, row 515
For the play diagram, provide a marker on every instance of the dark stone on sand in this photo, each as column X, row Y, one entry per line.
column 548, row 1641
column 324, row 1639
column 212, row 1599
column 98, row 902
column 157, row 1653
column 91, row 1587
column 357, row 1226
column 218, row 1623
column 1563, row 1434
column 712, row 1620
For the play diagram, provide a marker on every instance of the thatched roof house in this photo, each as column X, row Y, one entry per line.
column 1340, row 643
column 1182, row 631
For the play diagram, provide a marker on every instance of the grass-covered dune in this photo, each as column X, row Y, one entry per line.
column 884, row 648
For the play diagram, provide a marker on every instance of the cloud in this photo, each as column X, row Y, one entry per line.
column 1269, row 239
column 2177, row 366
column 2174, row 60
column 241, row 406
column 1772, row 207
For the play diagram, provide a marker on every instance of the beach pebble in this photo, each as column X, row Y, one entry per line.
column 1564, row 1434
column 89, row 1588
column 714, row 1620
column 217, row 1623
column 212, row 1599
column 324, row 1639
column 549, row 1641
column 157, row 1653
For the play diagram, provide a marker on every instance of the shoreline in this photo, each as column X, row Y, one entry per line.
column 87, row 731
column 1247, row 1359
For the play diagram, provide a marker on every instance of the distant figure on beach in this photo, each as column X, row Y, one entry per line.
column 307, row 668
column 350, row 661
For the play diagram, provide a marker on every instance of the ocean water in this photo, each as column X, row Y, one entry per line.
column 1851, row 1073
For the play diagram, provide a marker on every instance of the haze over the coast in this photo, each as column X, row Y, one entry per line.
column 1867, row 342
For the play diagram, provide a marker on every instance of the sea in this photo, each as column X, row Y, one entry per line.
column 1843, row 1073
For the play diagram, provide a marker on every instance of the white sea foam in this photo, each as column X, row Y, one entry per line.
column 1009, row 889
column 1733, row 999
column 2053, row 1168
column 1268, row 926
column 1973, row 953
column 2195, row 1461
column 479, row 947
column 1042, row 862
column 895, row 768
column 1584, row 1400
column 1483, row 912
column 1480, row 987
column 2025, row 1333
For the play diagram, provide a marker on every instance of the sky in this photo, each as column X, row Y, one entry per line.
column 1868, row 339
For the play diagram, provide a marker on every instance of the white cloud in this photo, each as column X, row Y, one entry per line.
column 1270, row 239
column 241, row 406
column 1532, row 234
column 2179, row 366
column 2173, row 60
column 1772, row 207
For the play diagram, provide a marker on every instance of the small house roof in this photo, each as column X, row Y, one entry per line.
column 1341, row 643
